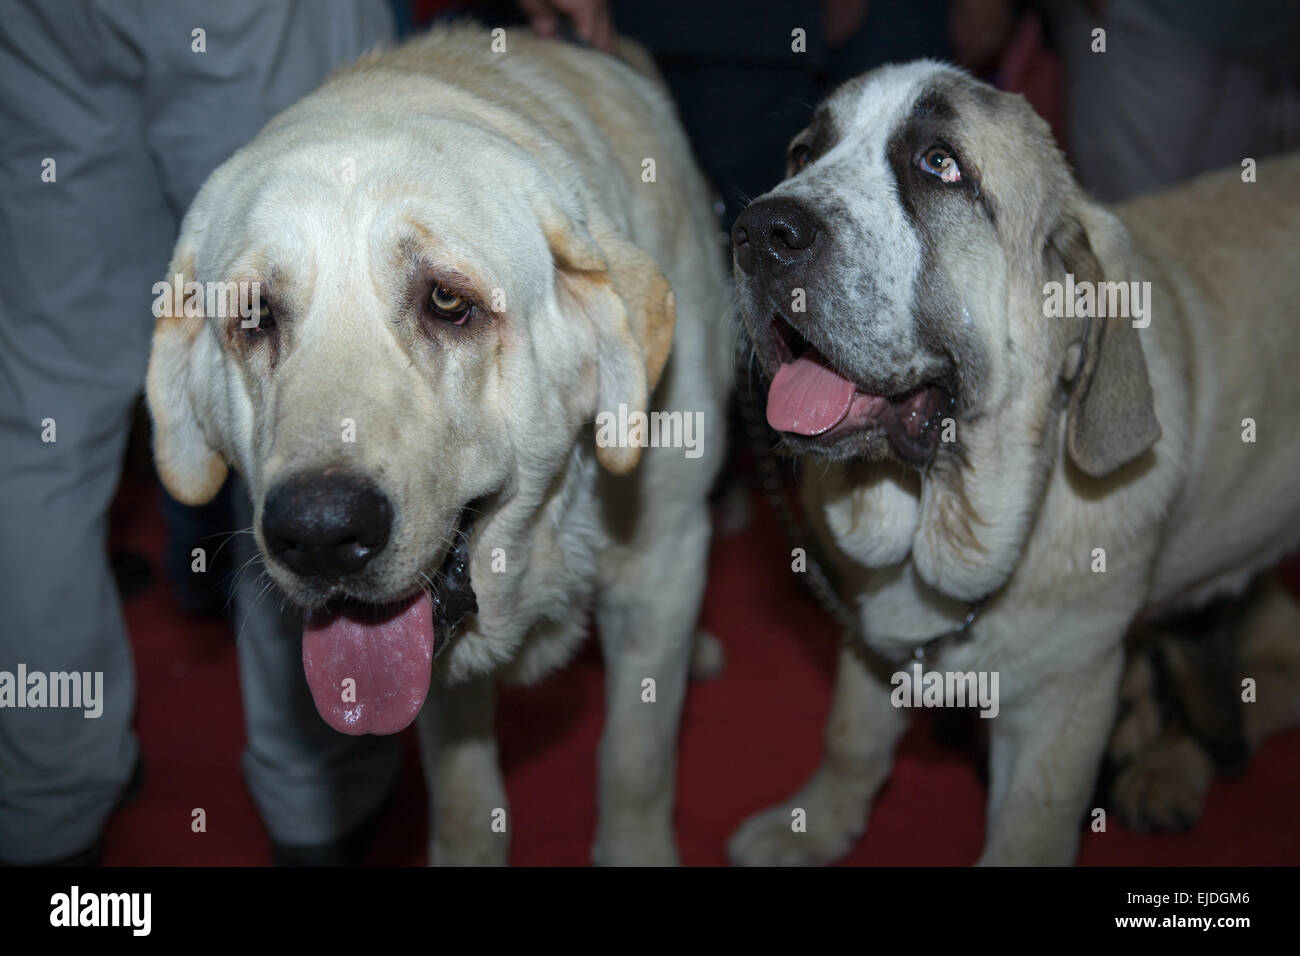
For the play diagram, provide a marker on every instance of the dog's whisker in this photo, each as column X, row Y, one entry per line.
column 257, row 599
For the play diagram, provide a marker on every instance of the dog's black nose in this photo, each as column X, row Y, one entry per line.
column 772, row 231
column 326, row 526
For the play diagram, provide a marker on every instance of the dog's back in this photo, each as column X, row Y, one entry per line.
column 1223, row 258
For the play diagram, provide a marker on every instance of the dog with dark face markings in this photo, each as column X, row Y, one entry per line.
column 1000, row 490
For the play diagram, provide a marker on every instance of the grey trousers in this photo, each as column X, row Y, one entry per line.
column 1158, row 107
column 112, row 115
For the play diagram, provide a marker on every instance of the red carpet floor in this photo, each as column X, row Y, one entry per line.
column 748, row 738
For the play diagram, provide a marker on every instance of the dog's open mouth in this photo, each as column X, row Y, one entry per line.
column 369, row 666
column 808, row 396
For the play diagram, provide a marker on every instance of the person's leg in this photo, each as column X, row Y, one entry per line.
column 205, row 527
column 257, row 59
column 1156, row 107
column 311, row 784
column 78, row 246
column 741, row 89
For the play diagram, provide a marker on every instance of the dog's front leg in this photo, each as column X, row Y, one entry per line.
column 646, row 620
column 827, row 816
column 468, row 819
column 1046, row 745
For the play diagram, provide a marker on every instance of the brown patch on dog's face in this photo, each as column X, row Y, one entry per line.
column 914, row 225
column 813, row 141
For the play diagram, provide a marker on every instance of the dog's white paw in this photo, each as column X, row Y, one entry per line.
column 707, row 657
column 770, row 838
column 494, row 851
column 635, row 852
column 819, row 825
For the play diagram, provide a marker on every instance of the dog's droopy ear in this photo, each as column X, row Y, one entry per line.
column 1112, row 418
column 189, row 467
column 630, row 302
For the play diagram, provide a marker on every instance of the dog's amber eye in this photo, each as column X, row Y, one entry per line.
column 937, row 161
column 265, row 321
column 800, row 157
column 449, row 305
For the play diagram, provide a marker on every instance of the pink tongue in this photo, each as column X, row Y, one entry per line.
column 387, row 657
column 806, row 397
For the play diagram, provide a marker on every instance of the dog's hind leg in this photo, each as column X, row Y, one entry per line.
column 1159, row 774
column 1179, row 716
column 1270, row 656
column 1184, row 706
column 1165, row 787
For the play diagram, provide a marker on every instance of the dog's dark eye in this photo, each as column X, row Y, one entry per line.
column 937, row 161
column 262, row 323
column 449, row 305
column 800, row 157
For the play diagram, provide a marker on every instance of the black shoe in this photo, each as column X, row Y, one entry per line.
column 90, row 856
column 131, row 573
column 348, row 850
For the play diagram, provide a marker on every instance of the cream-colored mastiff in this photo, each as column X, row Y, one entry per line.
column 461, row 264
